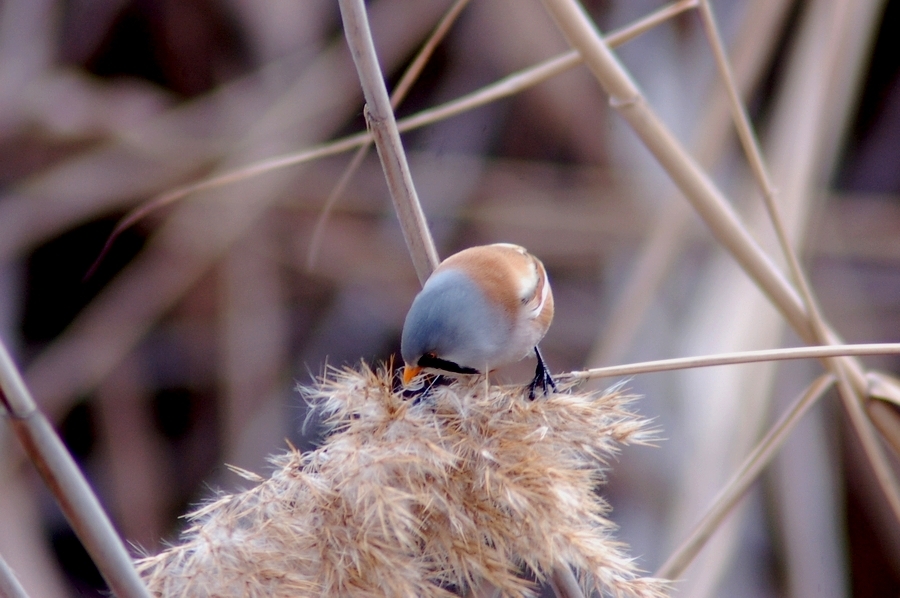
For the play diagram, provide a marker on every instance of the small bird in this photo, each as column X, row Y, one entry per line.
column 482, row 308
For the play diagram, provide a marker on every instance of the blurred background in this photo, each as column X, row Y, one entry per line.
column 182, row 352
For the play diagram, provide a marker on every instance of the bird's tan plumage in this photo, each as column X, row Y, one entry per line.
column 510, row 277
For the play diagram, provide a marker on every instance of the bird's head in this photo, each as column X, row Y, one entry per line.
column 450, row 327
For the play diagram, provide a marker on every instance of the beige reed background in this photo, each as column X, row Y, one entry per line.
column 180, row 353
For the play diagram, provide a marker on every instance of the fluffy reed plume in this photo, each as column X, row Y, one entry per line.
column 421, row 498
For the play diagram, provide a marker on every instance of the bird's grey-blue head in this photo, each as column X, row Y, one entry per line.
column 451, row 327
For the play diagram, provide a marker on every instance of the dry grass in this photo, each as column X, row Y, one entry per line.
column 413, row 498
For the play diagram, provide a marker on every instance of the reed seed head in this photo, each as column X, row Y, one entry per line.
column 420, row 498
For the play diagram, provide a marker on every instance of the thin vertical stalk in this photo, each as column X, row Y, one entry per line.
column 72, row 491
column 397, row 96
column 383, row 125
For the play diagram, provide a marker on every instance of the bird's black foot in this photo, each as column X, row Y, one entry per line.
column 542, row 378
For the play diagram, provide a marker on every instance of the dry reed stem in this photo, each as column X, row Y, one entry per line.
column 66, row 482
column 9, row 584
column 406, row 498
column 406, row 82
column 383, row 125
column 736, row 358
column 731, row 494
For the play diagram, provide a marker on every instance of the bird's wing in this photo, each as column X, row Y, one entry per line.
column 537, row 292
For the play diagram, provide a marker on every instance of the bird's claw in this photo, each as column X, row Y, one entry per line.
column 542, row 378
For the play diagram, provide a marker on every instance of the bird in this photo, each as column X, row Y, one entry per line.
column 482, row 308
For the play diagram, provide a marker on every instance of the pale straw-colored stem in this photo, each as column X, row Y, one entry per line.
column 9, row 584
column 736, row 358
column 397, row 96
column 67, row 484
column 383, row 125
column 749, row 470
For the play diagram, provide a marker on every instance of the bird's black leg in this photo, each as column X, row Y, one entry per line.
column 542, row 377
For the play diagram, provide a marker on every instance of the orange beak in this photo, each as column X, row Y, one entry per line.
column 410, row 372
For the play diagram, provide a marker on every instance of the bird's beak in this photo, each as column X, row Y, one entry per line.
column 410, row 372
